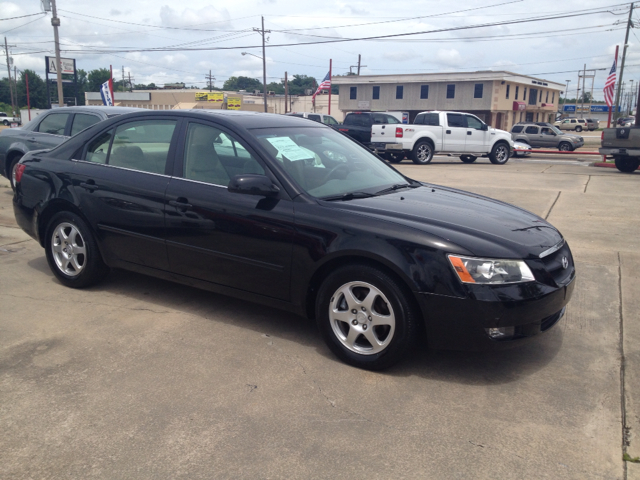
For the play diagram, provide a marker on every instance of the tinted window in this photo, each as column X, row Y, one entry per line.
column 213, row 156
column 142, row 145
column 377, row 118
column 473, row 122
column 533, row 96
column 451, row 91
column 531, row 129
column 82, row 121
column 54, row 123
column 357, row 120
column 399, row 92
column 392, row 119
column 99, row 147
column 315, row 118
column 517, row 90
column 330, row 120
column 432, row 119
column 376, row 93
column 353, row 93
column 508, row 90
column 424, row 91
column 456, row 120
column 477, row 91
column 516, row 129
column 524, row 93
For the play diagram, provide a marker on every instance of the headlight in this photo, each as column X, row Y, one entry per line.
column 486, row 271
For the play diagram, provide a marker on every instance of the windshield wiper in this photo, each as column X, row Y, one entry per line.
column 398, row 186
column 349, row 196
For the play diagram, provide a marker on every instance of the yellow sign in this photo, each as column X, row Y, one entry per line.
column 201, row 96
column 215, row 97
column 234, row 103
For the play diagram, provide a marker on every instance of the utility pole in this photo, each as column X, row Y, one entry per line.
column 211, row 78
column 55, row 22
column 130, row 83
column 286, row 91
column 262, row 31
column 359, row 64
column 624, row 55
column 584, row 90
column 6, row 51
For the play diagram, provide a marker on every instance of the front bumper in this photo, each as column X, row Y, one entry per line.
column 454, row 323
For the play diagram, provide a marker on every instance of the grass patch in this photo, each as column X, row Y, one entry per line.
column 627, row 458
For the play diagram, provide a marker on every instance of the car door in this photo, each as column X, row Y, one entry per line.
column 50, row 132
column 548, row 137
column 455, row 134
column 236, row 240
column 120, row 183
column 477, row 140
column 533, row 135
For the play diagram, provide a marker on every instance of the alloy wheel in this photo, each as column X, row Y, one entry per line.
column 69, row 249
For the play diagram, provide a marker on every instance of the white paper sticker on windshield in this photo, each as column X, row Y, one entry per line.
column 290, row 149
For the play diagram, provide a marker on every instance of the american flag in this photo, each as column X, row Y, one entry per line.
column 325, row 85
column 609, row 85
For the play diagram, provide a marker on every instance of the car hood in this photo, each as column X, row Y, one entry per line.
column 463, row 222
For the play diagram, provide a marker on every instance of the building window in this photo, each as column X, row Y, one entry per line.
column 424, row 91
column 353, row 93
column 537, row 116
column 533, row 96
column 507, row 90
column 517, row 89
column 477, row 91
column 547, row 98
column 399, row 92
column 553, row 97
column 376, row 93
column 451, row 91
column 524, row 94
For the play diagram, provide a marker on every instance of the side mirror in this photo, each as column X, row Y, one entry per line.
column 253, row 184
column 485, row 127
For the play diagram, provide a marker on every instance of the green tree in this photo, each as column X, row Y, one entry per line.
column 95, row 79
column 242, row 83
column 5, row 93
column 37, row 90
column 277, row 88
column 300, row 83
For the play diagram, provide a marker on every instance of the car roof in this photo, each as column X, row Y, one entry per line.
column 97, row 108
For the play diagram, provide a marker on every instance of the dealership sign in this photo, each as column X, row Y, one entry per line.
column 68, row 65
column 209, row 97
column 586, row 109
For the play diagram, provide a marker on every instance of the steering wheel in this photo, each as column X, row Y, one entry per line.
column 340, row 172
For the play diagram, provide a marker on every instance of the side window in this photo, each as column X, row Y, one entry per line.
column 432, row 119
column 378, row 119
column 330, row 120
column 516, row 129
column 473, row 122
column 531, row 130
column 315, row 118
column 82, row 121
column 456, row 120
column 54, row 123
column 213, row 156
column 99, row 147
column 142, row 145
column 546, row 131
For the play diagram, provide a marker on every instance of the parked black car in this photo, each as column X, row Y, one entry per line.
column 289, row 213
column 49, row 130
column 358, row 124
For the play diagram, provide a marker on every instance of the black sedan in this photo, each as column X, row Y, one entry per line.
column 292, row 214
column 49, row 130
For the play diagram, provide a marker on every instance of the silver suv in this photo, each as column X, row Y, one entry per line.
column 577, row 124
column 316, row 117
column 545, row 137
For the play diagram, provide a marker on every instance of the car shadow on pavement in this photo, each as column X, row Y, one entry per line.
column 128, row 290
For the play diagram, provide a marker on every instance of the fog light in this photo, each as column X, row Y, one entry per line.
column 501, row 332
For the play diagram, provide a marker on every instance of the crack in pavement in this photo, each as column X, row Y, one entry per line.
column 553, row 205
column 623, row 406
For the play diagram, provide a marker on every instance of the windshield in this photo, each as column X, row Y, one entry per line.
column 325, row 163
column 556, row 130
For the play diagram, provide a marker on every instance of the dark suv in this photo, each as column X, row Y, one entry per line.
column 358, row 124
column 545, row 137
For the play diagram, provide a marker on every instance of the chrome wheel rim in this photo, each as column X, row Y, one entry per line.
column 564, row 147
column 423, row 153
column 362, row 319
column 68, row 249
column 501, row 154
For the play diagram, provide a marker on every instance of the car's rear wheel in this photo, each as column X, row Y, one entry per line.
column 500, row 153
column 394, row 157
column 72, row 252
column 12, row 170
column 468, row 158
column 565, row 147
column 627, row 164
column 578, row 128
column 366, row 317
column 422, row 153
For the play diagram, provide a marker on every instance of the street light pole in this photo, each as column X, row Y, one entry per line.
column 55, row 21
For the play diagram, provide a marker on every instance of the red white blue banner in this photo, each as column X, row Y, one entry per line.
column 106, row 91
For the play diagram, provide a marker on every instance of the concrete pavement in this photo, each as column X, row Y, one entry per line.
column 142, row 378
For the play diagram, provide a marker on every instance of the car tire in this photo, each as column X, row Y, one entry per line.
column 422, row 153
column 72, row 251
column 383, row 328
column 468, row 158
column 565, row 147
column 627, row 164
column 6, row 123
column 394, row 157
column 12, row 170
column 578, row 128
column 500, row 153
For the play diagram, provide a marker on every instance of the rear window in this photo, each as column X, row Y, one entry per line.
column 432, row 119
column 516, row 129
column 357, row 120
column 392, row 119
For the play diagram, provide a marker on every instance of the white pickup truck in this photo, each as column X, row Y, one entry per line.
column 7, row 120
column 456, row 133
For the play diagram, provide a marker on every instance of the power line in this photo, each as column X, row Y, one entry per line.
column 23, row 25
column 21, row 16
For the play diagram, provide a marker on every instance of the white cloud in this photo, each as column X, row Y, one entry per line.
column 449, row 57
column 193, row 18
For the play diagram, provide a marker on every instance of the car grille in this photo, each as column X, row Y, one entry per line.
column 553, row 265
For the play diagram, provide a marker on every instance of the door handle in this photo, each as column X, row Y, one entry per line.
column 89, row 185
column 179, row 204
column 448, row 131
column 469, row 133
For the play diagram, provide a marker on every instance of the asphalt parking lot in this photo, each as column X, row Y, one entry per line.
column 142, row 378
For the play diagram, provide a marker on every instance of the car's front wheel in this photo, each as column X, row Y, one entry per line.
column 578, row 128
column 500, row 153
column 565, row 147
column 422, row 153
column 72, row 251
column 5, row 122
column 366, row 317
